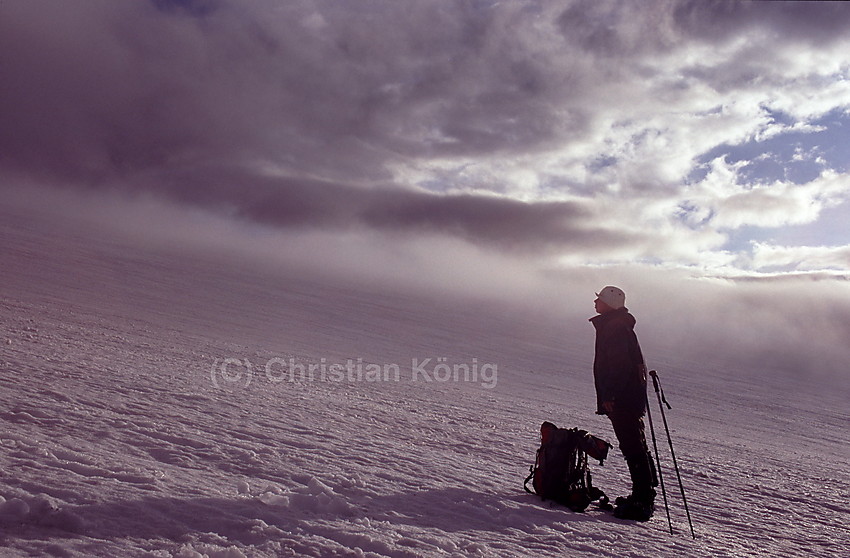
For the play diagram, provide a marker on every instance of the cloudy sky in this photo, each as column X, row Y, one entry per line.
column 671, row 139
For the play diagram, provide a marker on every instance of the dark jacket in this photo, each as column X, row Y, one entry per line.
column 618, row 366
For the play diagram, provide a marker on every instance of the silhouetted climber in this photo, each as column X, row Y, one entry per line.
column 619, row 373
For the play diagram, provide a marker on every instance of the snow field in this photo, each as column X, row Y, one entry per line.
column 116, row 441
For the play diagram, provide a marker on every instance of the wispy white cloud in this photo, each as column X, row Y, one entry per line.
column 801, row 258
column 724, row 201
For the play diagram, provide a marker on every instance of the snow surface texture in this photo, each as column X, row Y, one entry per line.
column 132, row 425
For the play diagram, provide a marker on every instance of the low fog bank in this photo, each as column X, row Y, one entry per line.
column 793, row 327
column 430, row 288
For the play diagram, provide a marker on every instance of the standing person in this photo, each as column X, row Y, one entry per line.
column 620, row 376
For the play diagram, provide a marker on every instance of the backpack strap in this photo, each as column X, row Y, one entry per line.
column 532, row 469
column 528, row 478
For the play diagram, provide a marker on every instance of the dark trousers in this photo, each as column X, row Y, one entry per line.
column 631, row 434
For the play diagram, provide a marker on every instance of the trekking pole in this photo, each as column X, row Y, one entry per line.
column 658, row 465
column 659, row 393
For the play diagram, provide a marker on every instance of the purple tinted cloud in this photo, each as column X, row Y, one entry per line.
column 196, row 100
column 314, row 204
column 151, row 94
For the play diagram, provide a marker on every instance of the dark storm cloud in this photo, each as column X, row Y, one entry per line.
column 629, row 30
column 106, row 92
column 312, row 204
column 114, row 87
column 812, row 22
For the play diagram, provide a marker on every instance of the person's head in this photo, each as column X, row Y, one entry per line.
column 609, row 298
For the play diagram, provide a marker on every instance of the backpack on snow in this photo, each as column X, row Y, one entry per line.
column 560, row 471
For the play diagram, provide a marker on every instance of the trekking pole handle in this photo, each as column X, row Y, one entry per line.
column 658, row 389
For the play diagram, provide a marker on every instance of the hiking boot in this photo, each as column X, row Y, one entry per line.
column 647, row 497
column 634, row 509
